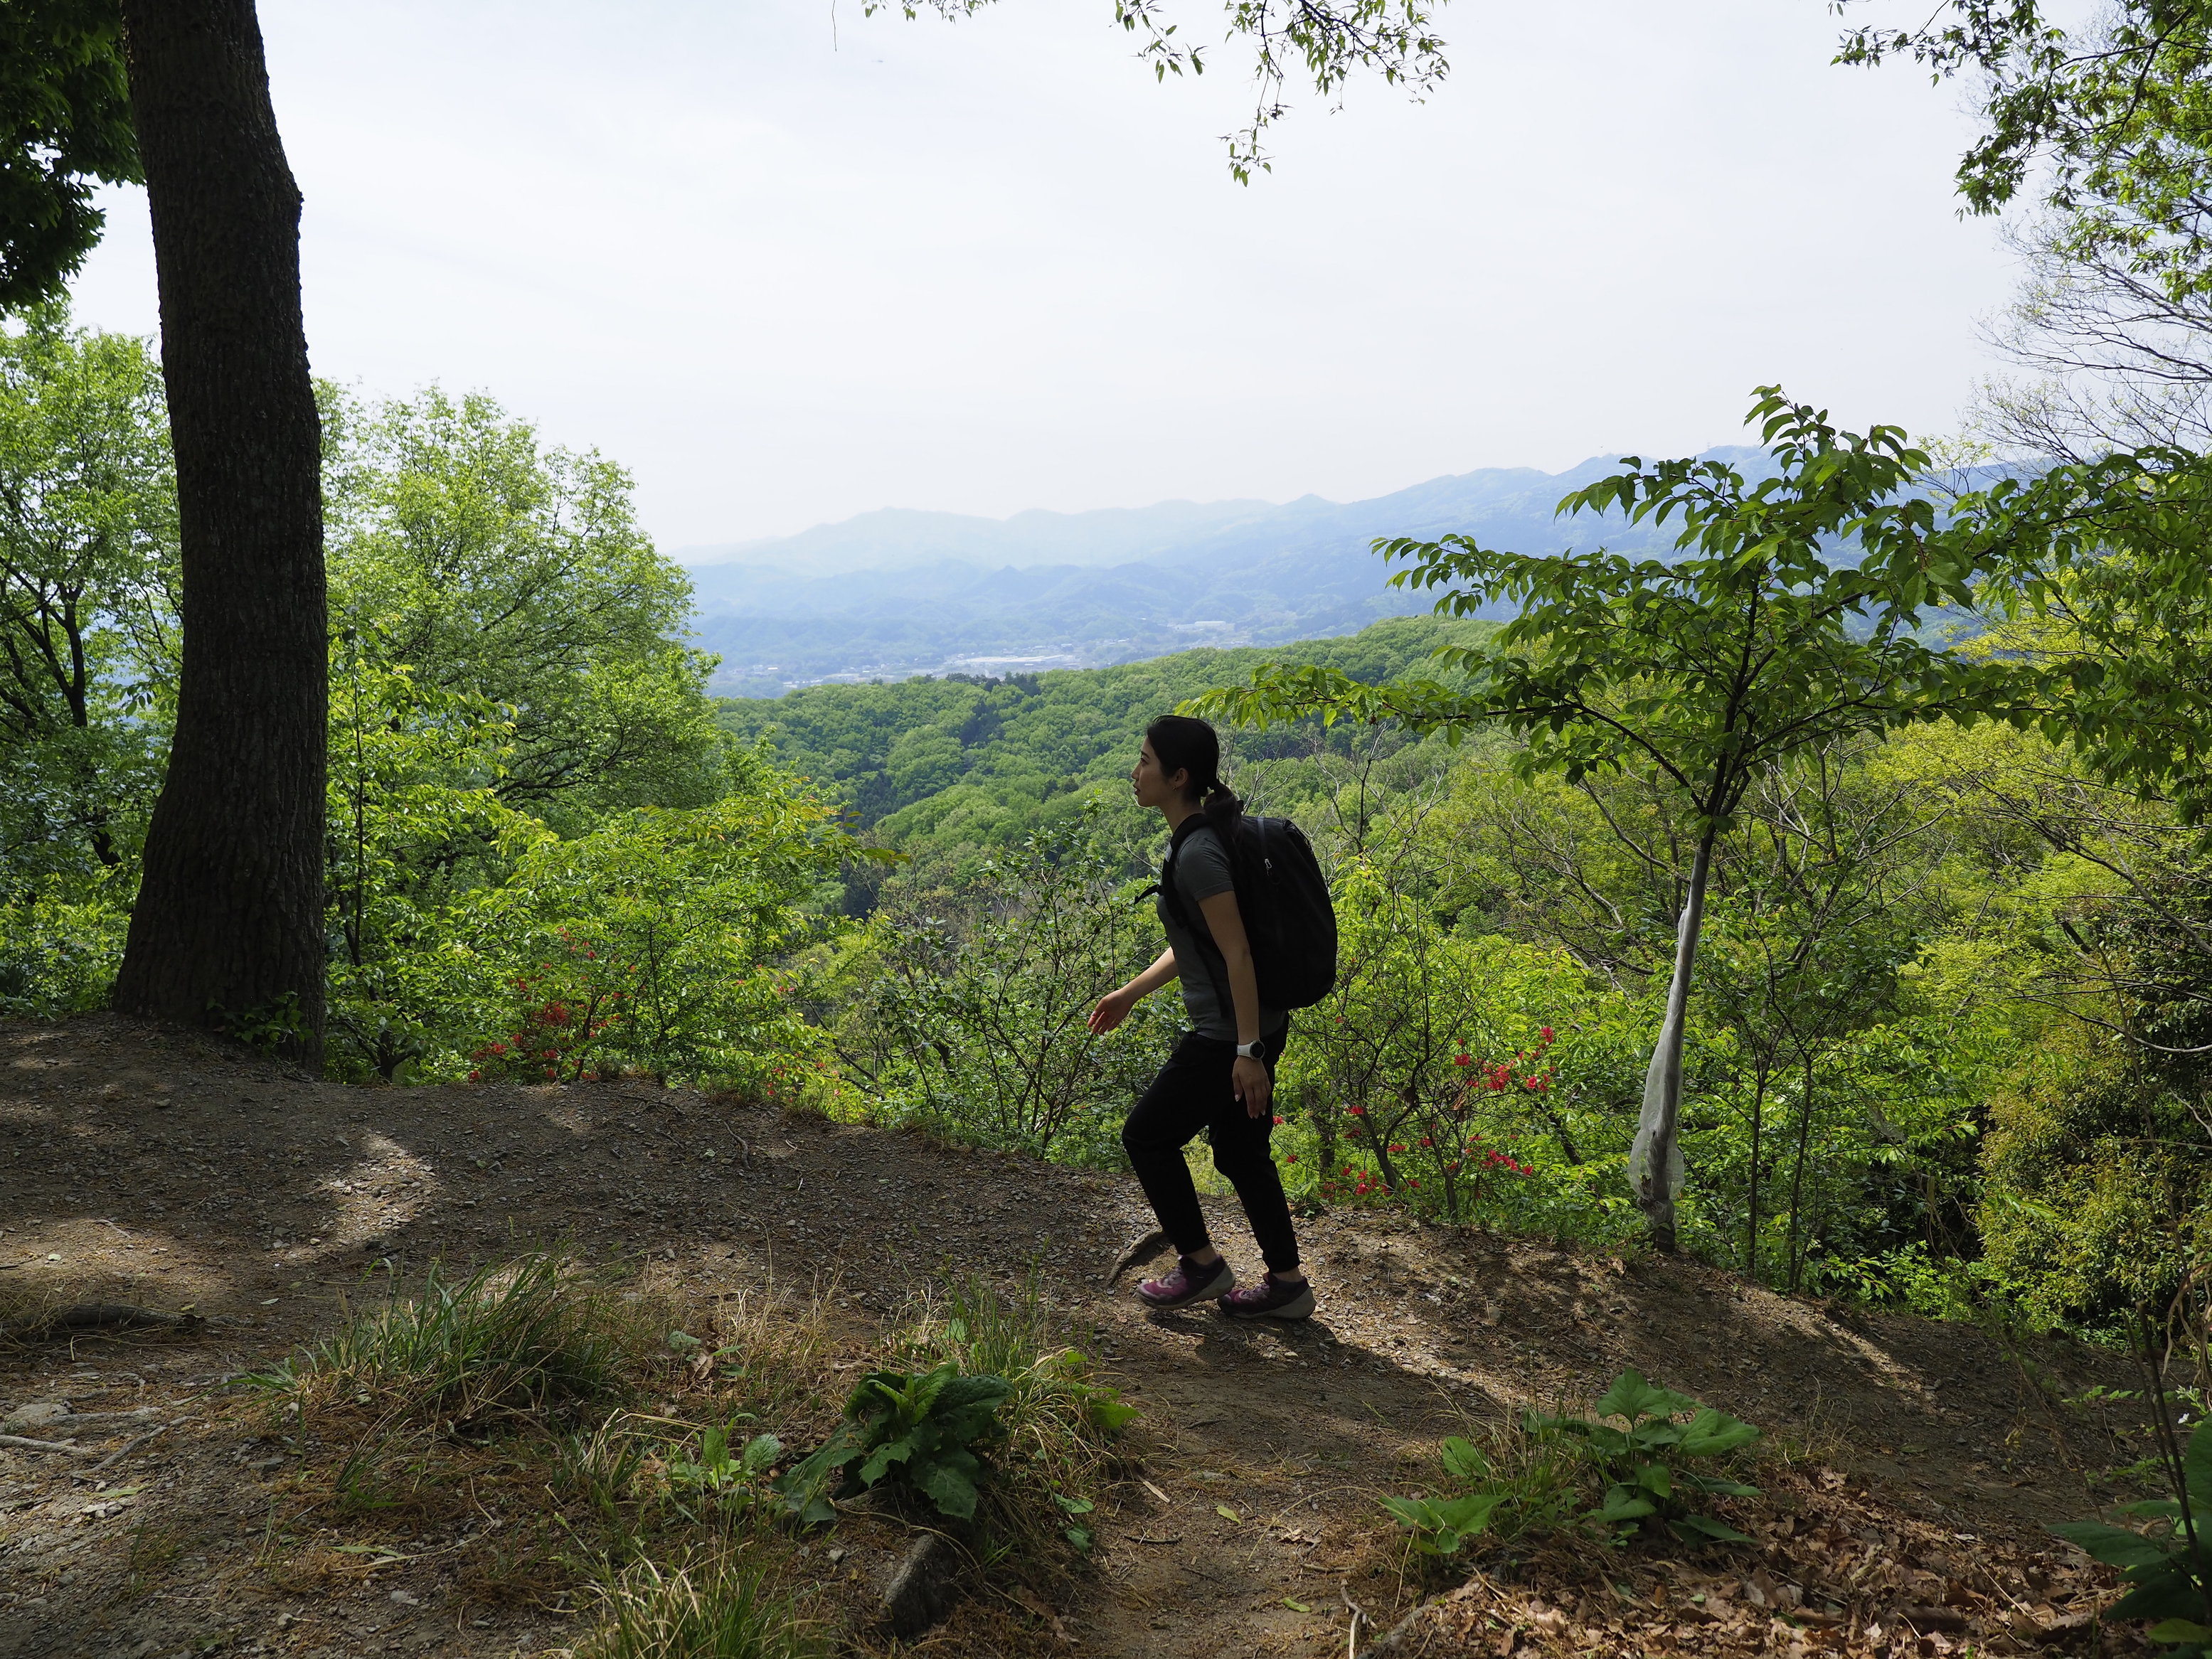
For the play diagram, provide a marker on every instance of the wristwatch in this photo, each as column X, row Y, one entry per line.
column 1252, row 1050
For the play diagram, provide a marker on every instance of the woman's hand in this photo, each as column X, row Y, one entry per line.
column 1249, row 1077
column 1112, row 1009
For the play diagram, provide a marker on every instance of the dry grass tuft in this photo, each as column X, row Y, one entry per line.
column 511, row 1340
column 712, row 1607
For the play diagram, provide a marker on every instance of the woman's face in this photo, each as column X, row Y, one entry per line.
column 1151, row 787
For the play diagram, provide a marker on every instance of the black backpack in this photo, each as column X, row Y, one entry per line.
column 1289, row 917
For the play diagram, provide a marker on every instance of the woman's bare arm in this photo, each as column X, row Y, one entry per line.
column 1113, row 1007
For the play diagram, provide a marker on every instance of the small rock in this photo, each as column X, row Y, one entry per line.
column 407, row 1598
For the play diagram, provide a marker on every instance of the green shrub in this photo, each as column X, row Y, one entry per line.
column 733, row 1476
column 918, row 1430
column 1062, row 1425
column 970, row 1005
column 1557, row 1471
column 2166, row 1568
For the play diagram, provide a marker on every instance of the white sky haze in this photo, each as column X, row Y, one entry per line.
column 991, row 265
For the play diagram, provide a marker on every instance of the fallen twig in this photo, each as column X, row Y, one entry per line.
column 118, row 1455
column 1359, row 1621
column 1143, row 1250
column 24, row 1443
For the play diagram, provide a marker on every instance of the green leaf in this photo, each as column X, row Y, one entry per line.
column 2116, row 1547
column 957, row 1393
column 2178, row 1629
column 1296, row 1606
column 1719, row 1531
column 2162, row 1590
column 1712, row 1433
column 1228, row 1514
column 948, row 1482
column 2197, row 1467
column 1110, row 1413
column 1417, row 1513
column 1621, row 1503
column 760, row 1454
column 1657, row 1479
column 1078, row 1537
column 1074, row 1505
column 1706, row 1483
column 1464, row 1459
column 1470, row 1514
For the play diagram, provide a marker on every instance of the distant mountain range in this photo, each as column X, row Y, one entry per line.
column 894, row 593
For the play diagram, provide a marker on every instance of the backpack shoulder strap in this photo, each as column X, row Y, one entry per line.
column 1165, row 886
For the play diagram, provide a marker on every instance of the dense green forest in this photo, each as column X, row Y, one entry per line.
column 1722, row 899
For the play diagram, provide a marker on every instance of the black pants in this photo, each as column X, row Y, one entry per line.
column 1194, row 1091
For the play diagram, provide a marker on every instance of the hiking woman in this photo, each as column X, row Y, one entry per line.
column 1221, row 1077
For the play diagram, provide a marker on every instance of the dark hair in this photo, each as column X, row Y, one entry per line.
column 1185, row 744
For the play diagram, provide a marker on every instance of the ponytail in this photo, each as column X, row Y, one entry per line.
column 1188, row 746
column 1222, row 807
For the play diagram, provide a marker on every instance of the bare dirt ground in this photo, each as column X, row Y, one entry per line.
column 1916, row 1462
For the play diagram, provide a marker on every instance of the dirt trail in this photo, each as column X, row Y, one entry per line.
column 145, row 1165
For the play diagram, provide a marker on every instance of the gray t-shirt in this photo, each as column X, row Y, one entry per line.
column 1201, row 870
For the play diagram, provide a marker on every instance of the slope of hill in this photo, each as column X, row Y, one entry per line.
column 152, row 1510
column 890, row 594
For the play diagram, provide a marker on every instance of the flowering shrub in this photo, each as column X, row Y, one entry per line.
column 568, row 1015
column 1431, row 1078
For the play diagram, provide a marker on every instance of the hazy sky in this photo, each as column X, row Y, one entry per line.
column 789, row 264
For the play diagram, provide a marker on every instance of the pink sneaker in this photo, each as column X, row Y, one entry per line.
column 1270, row 1299
column 1190, row 1282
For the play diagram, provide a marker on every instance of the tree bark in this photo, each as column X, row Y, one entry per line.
column 228, row 930
column 1653, row 1161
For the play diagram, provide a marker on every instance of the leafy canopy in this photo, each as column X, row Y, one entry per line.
column 2119, row 115
column 88, row 595
column 64, row 128
column 2105, row 575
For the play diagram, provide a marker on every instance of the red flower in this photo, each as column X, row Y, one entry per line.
column 1464, row 1059
column 1290, row 1157
column 475, row 1077
column 1278, row 1119
column 1545, row 1034
column 1427, row 1141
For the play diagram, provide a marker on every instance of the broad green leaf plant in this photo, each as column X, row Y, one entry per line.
column 1641, row 1463
column 2168, row 1566
column 1792, row 615
column 1626, row 1468
column 918, row 1430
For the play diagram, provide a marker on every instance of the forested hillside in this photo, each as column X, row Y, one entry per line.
column 977, row 759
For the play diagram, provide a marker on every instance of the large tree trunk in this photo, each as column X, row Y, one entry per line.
column 1654, row 1163
column 228, row 926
